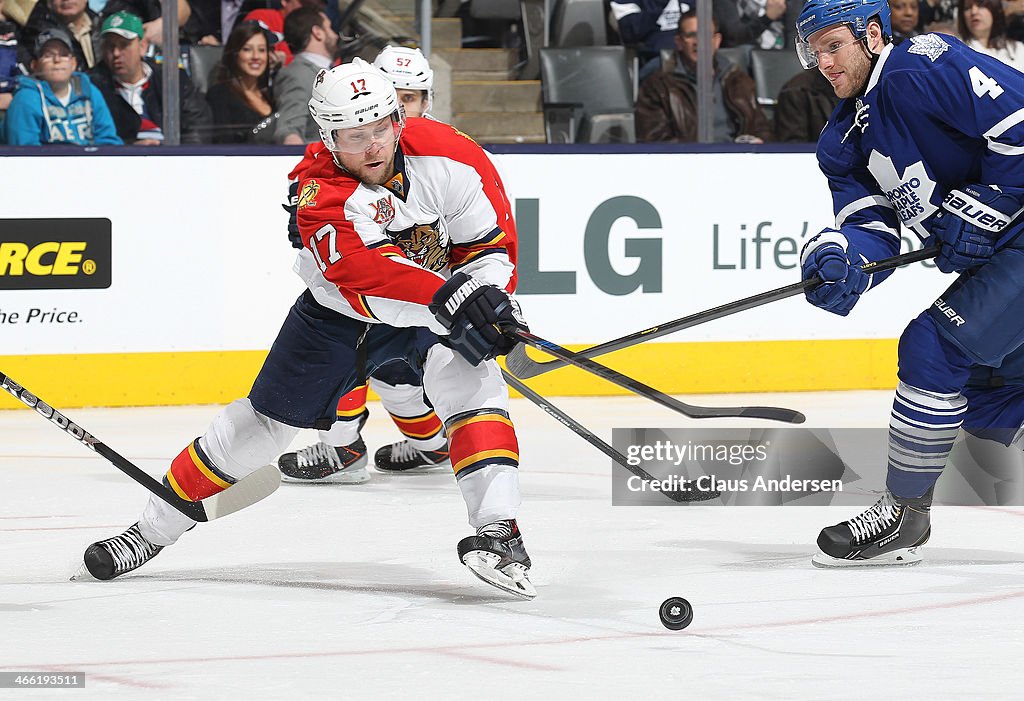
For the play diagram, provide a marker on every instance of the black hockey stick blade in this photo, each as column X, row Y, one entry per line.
column 657, row 396
column 247, row 491
column 525, row 367
column 584, row 433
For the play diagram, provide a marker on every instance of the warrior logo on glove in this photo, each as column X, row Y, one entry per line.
column 480, row 318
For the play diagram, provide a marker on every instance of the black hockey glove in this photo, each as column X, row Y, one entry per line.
column 477, row 317
column 292, row 207
column 974, row 218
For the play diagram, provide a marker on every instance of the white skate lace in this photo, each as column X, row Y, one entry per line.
column 130, row 549
column 874, row 520
column 499, row 529
column 404, row 452
column 318, row 454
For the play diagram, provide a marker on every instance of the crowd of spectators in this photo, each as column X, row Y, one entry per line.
column 666, row 101
column 90, row 71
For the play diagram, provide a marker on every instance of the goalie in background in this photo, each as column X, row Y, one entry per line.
column 369, row 302
column 928, row 134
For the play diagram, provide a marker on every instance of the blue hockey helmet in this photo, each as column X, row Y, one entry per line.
column 821, row 14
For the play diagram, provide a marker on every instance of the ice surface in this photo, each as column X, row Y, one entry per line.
column 355, row 592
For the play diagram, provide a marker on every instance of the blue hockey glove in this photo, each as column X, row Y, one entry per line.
column 832, row 258
column 974, row 218
column 292, row 207
column 477, row 317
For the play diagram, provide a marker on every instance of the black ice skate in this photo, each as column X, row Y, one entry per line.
column 123, row 553
column 322, row 463
column 403, row 457
column 497, row 556
column 889, row 533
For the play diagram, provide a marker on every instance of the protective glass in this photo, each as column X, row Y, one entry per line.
column 809, row 57
column 369, row 138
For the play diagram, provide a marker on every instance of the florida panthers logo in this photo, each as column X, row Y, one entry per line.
column 383, row 210
column 307, row 198
column 424, row 244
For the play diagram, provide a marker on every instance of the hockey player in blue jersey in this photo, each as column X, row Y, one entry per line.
column 929, row 134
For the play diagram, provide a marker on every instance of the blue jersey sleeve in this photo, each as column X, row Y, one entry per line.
column 863, row 214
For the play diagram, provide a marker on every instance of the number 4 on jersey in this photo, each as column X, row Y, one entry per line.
column 983, row 85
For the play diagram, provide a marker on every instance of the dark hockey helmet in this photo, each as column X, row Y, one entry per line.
column 822, row 14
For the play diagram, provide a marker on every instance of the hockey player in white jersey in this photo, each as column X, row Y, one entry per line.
column 928, row 134
column 412, row 77
column 339, row 456
column 372, row 297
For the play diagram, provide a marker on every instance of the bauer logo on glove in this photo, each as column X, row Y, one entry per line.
column 967, row 205
column 972, row 219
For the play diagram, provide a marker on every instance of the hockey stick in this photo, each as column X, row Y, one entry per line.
column 524, row 367
column 593, row 440
column 648, row 392
column 247, row 491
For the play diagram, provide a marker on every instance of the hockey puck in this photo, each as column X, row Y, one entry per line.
column 675, row 613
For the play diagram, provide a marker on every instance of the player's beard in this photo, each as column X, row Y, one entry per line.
column 855, row 76
column 378, row 176
column 362, row 172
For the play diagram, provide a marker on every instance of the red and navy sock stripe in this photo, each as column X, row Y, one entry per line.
column 480, row 438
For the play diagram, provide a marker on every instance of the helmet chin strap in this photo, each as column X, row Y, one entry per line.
column 873, row 57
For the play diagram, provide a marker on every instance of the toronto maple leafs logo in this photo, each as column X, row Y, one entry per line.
column 910, row 194
column 930, row 45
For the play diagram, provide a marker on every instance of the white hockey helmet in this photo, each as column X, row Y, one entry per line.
column 352, row 95
column 408, row 69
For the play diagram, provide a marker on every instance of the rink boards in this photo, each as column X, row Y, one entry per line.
column 118, row 295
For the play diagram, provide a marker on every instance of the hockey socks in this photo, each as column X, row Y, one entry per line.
column 193, row 476
column 481, row 438
column 424, row 432
column 922, row 428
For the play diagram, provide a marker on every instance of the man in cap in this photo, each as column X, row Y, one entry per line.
column 58, row 105
column 133, row 86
